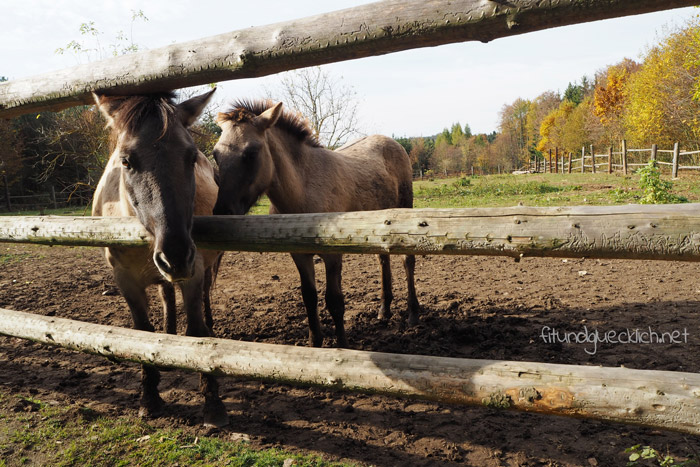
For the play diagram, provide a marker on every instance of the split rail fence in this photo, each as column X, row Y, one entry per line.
column 654, row 398
column 611, row 161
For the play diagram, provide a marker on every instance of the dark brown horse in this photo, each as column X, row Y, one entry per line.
column 265, row 150
column 157, row 175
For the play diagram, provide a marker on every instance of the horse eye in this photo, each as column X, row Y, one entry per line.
column 125, row 163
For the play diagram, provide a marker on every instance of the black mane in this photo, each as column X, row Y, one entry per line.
column 244, row 110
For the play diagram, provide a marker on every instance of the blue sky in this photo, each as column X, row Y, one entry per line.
column 411, row 93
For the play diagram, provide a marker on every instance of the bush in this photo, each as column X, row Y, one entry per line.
column 656, row 190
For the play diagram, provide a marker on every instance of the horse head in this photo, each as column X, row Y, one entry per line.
column 157, row 181
column 246, row 167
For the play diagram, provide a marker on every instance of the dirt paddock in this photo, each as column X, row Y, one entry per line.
column 473, row 307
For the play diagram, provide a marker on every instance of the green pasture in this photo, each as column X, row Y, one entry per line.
column 532, row 190
column 505, row 190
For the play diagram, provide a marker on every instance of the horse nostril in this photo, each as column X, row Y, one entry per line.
column 162, row 262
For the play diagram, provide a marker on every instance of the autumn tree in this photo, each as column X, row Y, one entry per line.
column 610, row 99
column 421, row 154
column 539, row 108
column 513, row 133
column 660, row 107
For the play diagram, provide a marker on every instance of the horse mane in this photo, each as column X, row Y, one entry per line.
column 133, row 111
column 245, row 110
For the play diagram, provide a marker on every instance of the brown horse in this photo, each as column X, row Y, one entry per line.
column 156, row 174
column 265, row 150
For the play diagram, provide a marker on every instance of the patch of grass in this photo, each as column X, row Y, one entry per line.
column 67, row 211
column 261, row 207
column 65, row 436
column 539, row 190
column 9, row 258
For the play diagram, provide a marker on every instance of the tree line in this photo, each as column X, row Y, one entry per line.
column 654, row 100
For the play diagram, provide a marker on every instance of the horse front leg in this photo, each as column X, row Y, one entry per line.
column 134, row 292
column 335, row 301
column 192, row 295
column 305, row 266
column 167, row 298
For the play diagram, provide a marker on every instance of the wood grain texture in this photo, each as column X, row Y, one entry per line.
column 663, row 232
column 367, row 30
column 661, row 399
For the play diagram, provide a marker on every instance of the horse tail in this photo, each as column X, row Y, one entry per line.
column 215, row 268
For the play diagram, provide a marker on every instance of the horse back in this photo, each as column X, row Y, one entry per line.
column 383, row 171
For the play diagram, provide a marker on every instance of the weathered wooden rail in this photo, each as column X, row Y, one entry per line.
column 363, row 31
column 643, row 397
column 665, row 232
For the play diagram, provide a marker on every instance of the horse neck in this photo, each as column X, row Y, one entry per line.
column 289, row 156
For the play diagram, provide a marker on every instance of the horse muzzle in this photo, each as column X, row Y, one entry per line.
column 176, row 267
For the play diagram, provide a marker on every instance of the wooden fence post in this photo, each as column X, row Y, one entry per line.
column 583, row 159
column 653, row 151
column 592, row 158
column 562, row 162
column 550, row 161
column 610, row 160
column 569, row 161
column 675, row 160
column 624, row 156
column 556, row 160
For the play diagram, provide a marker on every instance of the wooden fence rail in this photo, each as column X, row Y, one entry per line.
column 367, row 30
column 632, row 231
column 663, row 399
column 559, row 165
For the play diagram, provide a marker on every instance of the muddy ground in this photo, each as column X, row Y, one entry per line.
column 473, row 307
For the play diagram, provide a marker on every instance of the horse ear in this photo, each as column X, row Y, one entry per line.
column 108, row 106
column 190, row 110
column 269, row 117
column 221, row 117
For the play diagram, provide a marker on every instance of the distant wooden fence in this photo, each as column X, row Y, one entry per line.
column 43, row 201
column 560, row 161
column 652, row 398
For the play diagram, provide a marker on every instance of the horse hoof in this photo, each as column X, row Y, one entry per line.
column 215, row 418
column 151, row 407
column 413, row 320
column 150, row 412
column 384, row 315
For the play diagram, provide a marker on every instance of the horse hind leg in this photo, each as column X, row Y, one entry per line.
column 409, row 263
column 192, row 295
column 305, row 266
column 387, row 294
column 335, row 301
column 208, row 280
